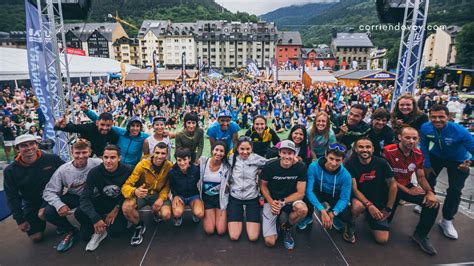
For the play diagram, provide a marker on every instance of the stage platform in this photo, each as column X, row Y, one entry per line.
column 165, row 244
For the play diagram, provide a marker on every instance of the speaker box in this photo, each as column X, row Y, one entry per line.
column 391, row 11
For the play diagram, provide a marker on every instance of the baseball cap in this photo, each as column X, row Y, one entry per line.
column 223, row 113
column 25, row 138
column 288, row 144
column 135, row 119
column 159, row 118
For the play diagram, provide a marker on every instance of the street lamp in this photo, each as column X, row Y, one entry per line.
column 154, row 68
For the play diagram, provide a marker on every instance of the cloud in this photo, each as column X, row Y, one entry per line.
column 263, row 6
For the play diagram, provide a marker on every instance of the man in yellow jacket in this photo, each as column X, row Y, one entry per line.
column 148, row 185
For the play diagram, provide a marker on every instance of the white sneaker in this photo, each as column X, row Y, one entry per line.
column 448, row 228
column 95, row 241
column 417, row 209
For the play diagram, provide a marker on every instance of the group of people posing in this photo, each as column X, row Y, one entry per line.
column 339, row 169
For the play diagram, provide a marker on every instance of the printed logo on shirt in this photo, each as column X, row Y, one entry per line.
column 285, row 177
column 48, row 167
column 112, row 191
column 411, row 167
column 367, row 176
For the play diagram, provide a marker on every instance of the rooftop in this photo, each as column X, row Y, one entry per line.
column 345, row 39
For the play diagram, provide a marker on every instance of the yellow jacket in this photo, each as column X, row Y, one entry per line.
column 145, row 174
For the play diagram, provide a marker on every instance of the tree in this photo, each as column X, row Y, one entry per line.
column 465, row 46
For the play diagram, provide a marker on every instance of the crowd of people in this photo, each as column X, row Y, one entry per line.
column 346, row 154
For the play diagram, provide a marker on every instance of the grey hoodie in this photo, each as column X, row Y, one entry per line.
column 67, row 177
column 243, row 180
column 223, row 191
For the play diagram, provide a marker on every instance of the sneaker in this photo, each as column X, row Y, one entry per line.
column 288, row 240
column 178, row 221
column 137, row 237
column 196, row 219
column 417, row 209
column 67, row 242
column 424, row 243
column 448, row 228
column 304, row 223
column 95, row 241
column 337, row 224
column 349, row 233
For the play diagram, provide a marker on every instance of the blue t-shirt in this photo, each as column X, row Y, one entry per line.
column 214, row 131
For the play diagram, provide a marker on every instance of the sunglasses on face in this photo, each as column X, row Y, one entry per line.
column 224, row 120
column 244, row 138
column 338, row 147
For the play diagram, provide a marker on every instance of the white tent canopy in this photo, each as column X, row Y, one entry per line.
column 14, row 65
column 322, row 76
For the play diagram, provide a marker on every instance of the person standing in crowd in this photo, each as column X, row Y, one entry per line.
column 100, row 133
column 213, row 186
column 374, row 190
column 262, row 136
column 192, row 136
column 71, row 176
column 225, row 129
column 283, row 186
column 351, row 127
column 452, row 149
column 407, row 113
column 183, row 179
column 158, row 136
column 321, row 134
column 24, row 182
column 329, row 182
column 9, row 134
column 245, row 165
column 101, row 214
column 148, row 185
column 299, row 137
column 405, row 159
column 380, row 133
column 130, row 139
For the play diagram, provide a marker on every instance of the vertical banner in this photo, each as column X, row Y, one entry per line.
column 183, row 67
column 37, row 66
column 274, row 70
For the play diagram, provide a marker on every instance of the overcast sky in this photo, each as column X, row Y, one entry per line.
column 262, row 6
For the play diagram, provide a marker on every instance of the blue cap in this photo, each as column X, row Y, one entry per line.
column 224, row 113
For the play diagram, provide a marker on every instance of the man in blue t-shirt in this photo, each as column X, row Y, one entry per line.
column 452, row 148
column 225, row 130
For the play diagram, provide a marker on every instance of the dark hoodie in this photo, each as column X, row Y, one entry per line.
column 184, row 185
column 108, row 186
column 25, row 183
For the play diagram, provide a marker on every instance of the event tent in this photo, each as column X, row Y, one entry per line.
column 317, row 76
column 14, row 65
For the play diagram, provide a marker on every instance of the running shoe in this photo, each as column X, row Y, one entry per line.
column 288, row 240
column 337, row 224
column 304, row 223
column 95, row 241
column 424, row 243
column 137, row 237
column 67, row 242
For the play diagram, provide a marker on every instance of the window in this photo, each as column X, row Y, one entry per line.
column 286, row 49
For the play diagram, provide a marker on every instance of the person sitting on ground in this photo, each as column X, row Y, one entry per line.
column 148, row 185
column 183, row 179
column 374, row 190
column 283, row 186
column 329, row 187
column 24, row 182
column 243, row 185
column 405, row 159
column 214, row 189
column 100, row 213
column 71, row 176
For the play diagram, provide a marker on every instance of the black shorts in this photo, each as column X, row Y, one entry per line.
column 377, row 225
column 235, row 210
column 211, row 202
